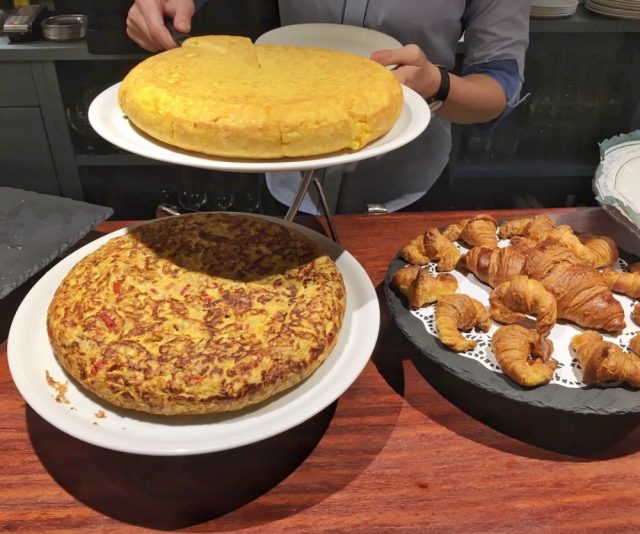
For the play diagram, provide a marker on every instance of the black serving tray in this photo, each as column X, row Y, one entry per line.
column 578, row 421
column 35, row 229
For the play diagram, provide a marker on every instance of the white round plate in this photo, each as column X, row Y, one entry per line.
column 553, row 4
column 30, row 357
column 354, row 39
column 613, row 12
column 109, row 121
column 616, row 179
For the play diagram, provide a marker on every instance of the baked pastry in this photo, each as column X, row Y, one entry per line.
column 225, row 96
column 582, row 296
column 511, row 300
column 437, row 247
column 603, row 362
column 621, row 282
column 454, row 230
column 604, row 248
column 533, row 227
column 480, row 232
column 421, row 287
column 494, row 265
column 197, row 314
column 414, row 252
column 523, row 355
column 460, row 312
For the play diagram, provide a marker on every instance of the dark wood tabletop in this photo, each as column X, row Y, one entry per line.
column 390, row 454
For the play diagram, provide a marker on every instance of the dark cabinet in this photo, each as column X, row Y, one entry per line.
column 25, row 158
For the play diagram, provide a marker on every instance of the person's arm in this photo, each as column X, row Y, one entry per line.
column 472, row 99
column 145, row 22
column 496, row 38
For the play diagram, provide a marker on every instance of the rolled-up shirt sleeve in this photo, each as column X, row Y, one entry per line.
column 496, row 35
column 199, row 3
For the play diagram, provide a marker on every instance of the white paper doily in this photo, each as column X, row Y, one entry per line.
column 568, row 373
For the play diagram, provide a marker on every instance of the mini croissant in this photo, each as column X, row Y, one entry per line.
column 620, row 282
column 523, row 355
column 460, row 312
column 582, row 296
column 634, row 344
column 453, row 231
column 603, row 362
column 564, row 234
column 494, row 265
column 521, row 295
column 440, row 248
column 604, row 249
column 480, row 232
column 421, row 288
column 533, row 227
column 414, row 252
column 635, row 315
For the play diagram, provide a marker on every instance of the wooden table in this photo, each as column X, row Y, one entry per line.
column 391, row 454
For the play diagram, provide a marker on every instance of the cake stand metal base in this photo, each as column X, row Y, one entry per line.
column 307, row 179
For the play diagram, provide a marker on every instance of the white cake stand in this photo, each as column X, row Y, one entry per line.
column 109, row 121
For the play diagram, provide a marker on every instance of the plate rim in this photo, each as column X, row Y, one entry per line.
column 340, row 28
column 96, row 436
column 580, row 401
column 105, row 106
column 617, row 206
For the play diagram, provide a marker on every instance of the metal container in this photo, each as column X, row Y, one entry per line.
column 64, row 27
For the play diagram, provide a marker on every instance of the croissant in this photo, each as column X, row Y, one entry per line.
column 596, row 251
column 565, row 235
column 634, row 344
column 625, row 283
column 440, row 248
column 635, row 315
column 530, row 227
column 421, row 288
column 522, row 242
column 522, row 357
column 604, row 362
column 480, row 232
column 453, row 231
column 510, row 300
column 582, row 296
column 414, row 252
column 634, row 267
column 494, row 265
column 460, row 312
column 604, row 249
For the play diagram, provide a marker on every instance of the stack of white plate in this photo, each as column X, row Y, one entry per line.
column 554, row 8
column 623, row 9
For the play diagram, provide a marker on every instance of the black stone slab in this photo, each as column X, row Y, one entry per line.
column 578, row 421
column 35, row 229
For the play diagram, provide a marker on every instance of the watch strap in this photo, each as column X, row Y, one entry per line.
column 443, row 91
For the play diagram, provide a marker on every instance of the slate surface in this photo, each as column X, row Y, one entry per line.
column 35, row 229
column 584, row 401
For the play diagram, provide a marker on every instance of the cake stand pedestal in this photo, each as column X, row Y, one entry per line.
column 307, row 179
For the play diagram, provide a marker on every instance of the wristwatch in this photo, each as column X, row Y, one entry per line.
column 436, row 101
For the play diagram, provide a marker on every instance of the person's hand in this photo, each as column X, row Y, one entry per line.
column 414, row 69
column 145, row 22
